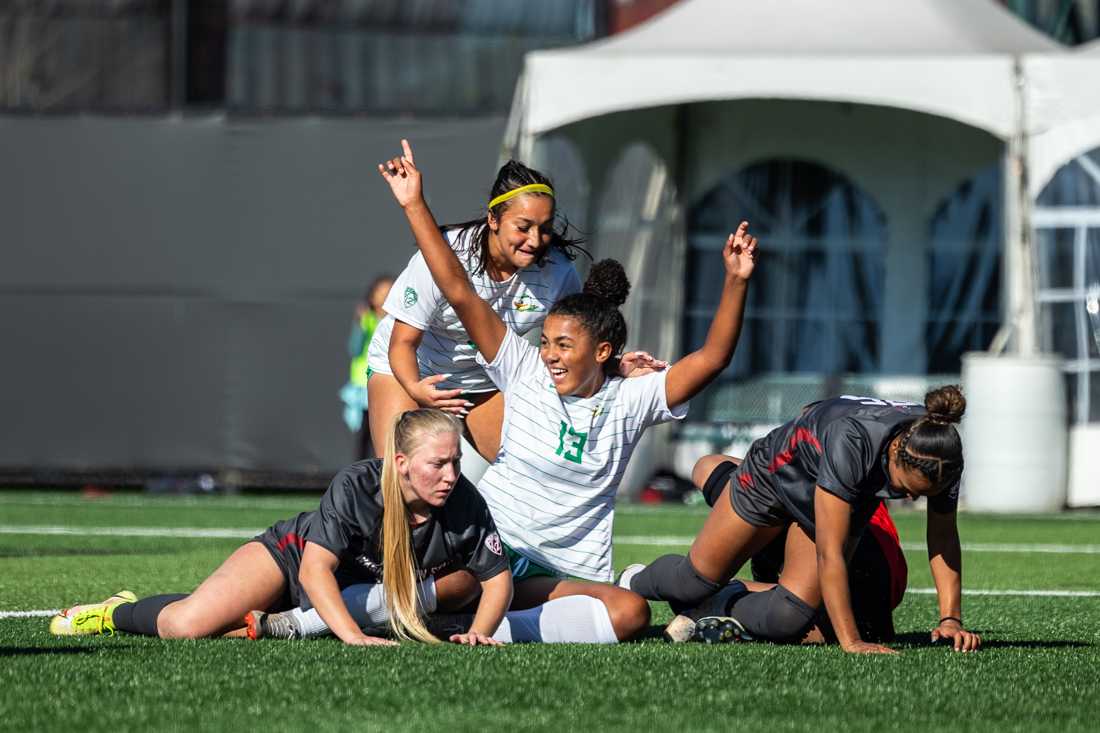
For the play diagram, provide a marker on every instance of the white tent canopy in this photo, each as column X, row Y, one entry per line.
column 951, row 58
column 1063, row 93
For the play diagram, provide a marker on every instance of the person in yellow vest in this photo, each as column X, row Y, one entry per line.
column 368, row 313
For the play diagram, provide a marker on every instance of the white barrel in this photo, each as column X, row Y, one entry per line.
column 1014, row 433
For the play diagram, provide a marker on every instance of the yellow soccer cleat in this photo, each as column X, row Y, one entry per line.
column 90, row 618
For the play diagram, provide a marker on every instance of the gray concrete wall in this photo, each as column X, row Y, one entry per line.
column 175, row 294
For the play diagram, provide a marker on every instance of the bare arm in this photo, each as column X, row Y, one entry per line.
column 404, row 341
column 945, row 560
column 496, row 596
column 832, row 516
column 485, row 327
column 319, row 583
column 696, row 370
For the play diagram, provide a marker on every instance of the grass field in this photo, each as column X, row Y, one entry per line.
column 1040, row 669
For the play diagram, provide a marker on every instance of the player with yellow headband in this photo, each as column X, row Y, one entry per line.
column 519, row 259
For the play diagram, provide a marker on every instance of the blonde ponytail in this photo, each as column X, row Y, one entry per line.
column 399, row 571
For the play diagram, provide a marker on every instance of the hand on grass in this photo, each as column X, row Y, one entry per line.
column 866, row 647
column 739, row 254
column 364, row 640
column 472, row 638
column 448, row 400
column 639, row 363
column 952, row 630
column 403, row 177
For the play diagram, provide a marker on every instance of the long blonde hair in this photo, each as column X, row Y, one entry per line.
column 399, row 571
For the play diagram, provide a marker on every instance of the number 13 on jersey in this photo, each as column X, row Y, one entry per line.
column 575, row 446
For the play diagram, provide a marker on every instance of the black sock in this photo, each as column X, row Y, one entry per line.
column 775, row 614
column 140, row 617
column 674, row 579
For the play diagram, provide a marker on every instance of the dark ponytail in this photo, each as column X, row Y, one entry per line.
column 597, row 307
column 932, row 445
column 474, row 236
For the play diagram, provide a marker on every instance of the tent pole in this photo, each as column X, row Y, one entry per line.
column 1019, row 267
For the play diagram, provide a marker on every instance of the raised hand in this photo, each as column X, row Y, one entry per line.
column 403, row 177
column 739, row 254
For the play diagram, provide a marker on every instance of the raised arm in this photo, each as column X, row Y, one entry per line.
column 832, row 515
column 945, row 560
column 485, row 327
column 696, row 370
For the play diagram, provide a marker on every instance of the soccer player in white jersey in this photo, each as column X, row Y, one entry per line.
column 570, row 423
column 517, row 261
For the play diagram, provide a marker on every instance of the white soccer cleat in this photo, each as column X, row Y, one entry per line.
column 628, row 575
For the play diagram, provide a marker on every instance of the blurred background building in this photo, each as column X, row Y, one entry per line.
column 188, row 212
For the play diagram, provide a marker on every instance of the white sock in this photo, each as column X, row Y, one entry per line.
column 367, row 604
column 573, row 619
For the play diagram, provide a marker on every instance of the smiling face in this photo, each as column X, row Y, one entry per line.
column 522, row 233
column 573, row 357
column 906, row 479
column 429, row 473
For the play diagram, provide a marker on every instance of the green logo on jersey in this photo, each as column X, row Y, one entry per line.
column 527, row 304
column 410, row 297
column 576, row 445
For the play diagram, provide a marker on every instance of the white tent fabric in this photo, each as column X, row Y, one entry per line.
column 951, row 58
column 1063, row 93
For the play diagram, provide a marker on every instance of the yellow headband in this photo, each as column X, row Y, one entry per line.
column 529, row 188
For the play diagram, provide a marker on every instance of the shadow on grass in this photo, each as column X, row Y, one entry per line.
column 923, row 639
column 33, row 651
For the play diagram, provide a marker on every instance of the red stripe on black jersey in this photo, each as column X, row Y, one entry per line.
column 800, row 435
column 290, row 539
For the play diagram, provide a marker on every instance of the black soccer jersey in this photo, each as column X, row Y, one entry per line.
column 838, row 444
column 460, row 534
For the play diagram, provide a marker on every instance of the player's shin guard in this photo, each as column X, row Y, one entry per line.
column 140, row 617
column 776, row 614
column 674, row 579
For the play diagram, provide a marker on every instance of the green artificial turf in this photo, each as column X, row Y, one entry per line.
column 1039, row 670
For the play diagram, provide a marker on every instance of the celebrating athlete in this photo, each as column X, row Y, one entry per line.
column 520, row 263
column 570, row 423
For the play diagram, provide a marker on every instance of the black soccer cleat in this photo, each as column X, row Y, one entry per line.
column 719, row 630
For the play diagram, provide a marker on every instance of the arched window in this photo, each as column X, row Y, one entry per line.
column 638, row 225
column 1067, row 246
column 964, row 272
column 815, row 301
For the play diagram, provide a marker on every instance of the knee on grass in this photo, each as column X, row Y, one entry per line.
column 776, row 614
column 629, row 613
column 183, row 623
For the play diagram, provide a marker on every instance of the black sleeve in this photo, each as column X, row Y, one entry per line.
column 844, row 460
column 336, row 524
column 945, row 502
column 483, row 553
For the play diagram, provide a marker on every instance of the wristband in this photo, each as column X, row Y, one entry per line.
column 951, row 618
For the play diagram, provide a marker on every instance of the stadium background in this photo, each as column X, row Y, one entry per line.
column 188, row 213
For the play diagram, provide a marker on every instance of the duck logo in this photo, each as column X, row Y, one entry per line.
column 410, row 297
column 493, row 543
column 527, row 304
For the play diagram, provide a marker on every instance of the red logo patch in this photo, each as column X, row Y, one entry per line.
column 493, row 543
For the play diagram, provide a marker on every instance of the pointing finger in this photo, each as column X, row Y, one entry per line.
column 407, row 150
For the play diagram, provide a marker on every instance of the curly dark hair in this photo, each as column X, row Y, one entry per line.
column 931, row 444
column 474, row 234
column 597, row 307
